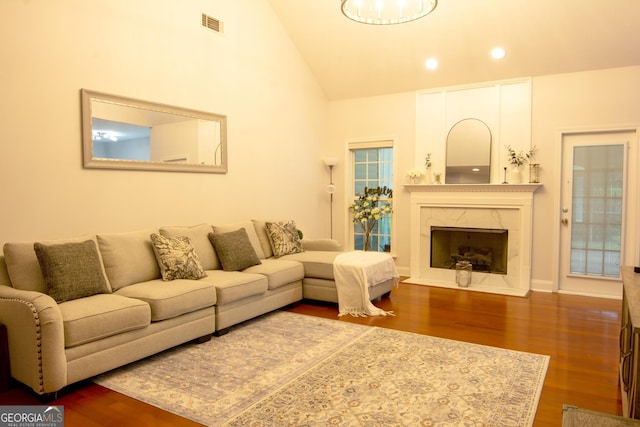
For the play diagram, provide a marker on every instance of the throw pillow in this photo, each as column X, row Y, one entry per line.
column 234, row 250
column 251, row 232
column 177, row 258
column 71, row 270
column 199, row 235
column 284, row 238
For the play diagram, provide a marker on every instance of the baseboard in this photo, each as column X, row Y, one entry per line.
column 542, row 286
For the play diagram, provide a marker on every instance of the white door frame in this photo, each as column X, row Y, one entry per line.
column 631, row 250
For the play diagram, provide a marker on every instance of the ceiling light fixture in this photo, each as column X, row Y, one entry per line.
column 387, row 12
column 498, row 53
column 431, row 63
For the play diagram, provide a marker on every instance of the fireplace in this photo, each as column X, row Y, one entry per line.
column 445, row 218
column 484, row 248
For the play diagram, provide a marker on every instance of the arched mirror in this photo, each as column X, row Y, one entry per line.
column 468, row 153
column 126, row 133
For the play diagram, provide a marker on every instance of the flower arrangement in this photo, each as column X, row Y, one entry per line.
column 520, row 158
column 414, row 173
column 369, row 208
column 427, row 161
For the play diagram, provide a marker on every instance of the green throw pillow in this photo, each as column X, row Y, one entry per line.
column 177, row 258
column 71, row 270
column 234, row 250
column 284, row 238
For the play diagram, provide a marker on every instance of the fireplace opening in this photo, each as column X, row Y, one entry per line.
column 484, row 248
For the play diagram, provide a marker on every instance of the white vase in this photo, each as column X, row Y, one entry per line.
column 427, row 175
column 515, row 176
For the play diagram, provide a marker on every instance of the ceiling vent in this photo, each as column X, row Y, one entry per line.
column 212, row 23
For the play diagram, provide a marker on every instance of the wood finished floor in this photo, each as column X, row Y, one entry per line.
column 579, row 333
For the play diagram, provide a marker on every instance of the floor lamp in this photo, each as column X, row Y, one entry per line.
column 331, row 162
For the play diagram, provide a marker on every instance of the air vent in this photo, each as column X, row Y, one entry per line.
column 212, row 23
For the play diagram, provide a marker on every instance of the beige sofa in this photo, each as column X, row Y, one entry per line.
column 53, row 344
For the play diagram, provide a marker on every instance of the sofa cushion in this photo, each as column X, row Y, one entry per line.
column 171, row 299
column 234, row 250
column 23, row 266
column 235, row 285
column 284, row 238
column 279, row 272
column 71, row 270
column 128, row 257
column 100, row 316
column 321, row 245
column 177, row 258
column 199, row 236
column 263, row 236
column 318, row 264
column 251, row 232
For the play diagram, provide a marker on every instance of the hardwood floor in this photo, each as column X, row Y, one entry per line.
column 579, row 333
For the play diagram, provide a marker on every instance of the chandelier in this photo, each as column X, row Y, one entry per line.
column 387, row 12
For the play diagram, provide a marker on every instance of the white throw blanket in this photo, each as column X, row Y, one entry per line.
column 354, row 273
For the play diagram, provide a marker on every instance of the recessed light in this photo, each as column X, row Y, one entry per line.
column 431, row 63
column 475, row 170
column 498, row 53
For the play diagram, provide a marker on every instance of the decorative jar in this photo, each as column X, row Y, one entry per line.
column 533, row 173
column 463, row 273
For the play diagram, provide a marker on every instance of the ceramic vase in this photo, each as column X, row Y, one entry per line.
column 427, row 175
column 515, row 176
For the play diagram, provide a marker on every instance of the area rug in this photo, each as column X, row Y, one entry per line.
column 286, row 369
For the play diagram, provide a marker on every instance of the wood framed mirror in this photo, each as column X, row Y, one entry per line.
column 125, row 133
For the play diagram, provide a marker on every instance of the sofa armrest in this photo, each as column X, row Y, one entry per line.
column 321, row 245
column 36, row 339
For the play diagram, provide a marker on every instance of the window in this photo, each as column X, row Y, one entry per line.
column 372, row 166
column 596, row 227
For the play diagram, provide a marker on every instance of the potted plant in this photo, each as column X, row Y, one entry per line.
column 517, row 159
column 369, row 208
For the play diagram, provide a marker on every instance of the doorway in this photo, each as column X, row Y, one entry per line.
column 594, row 211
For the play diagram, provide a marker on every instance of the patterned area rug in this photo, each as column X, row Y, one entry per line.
column 286, row 369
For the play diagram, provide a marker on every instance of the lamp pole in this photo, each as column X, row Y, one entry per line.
column 331, row 189
column 331, row 162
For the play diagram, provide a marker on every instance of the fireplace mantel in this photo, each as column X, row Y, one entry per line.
column 492, row 206
column 472, row 188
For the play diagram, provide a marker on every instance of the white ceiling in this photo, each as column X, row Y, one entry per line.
column 540, row 37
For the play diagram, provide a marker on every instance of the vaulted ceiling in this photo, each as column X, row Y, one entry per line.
column 540, row 37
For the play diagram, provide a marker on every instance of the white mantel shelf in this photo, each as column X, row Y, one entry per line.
column 472, row 188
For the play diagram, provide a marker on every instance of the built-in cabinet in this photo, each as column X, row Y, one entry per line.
column 630, row 344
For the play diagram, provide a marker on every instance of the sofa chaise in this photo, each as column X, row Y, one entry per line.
column 130, row 295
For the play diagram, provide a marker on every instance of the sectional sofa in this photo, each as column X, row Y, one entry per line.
column 78, row 307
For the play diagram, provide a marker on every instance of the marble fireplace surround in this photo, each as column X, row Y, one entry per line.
column 496, row 206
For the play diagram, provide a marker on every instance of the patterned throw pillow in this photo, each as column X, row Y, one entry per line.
column 177, row 258
column 234, row 250
column 284, row 238
column 71, row 270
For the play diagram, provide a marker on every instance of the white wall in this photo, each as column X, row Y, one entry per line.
column 155, row 50
column 389, row 117
column 602, row 98
column 280, row 125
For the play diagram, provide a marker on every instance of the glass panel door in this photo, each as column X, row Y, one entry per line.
column 373, row 167
column 593, row 206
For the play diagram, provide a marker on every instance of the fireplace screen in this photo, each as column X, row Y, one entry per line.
column 484, row 248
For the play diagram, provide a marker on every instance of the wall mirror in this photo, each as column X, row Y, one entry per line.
column 126, row 133
column 468, row 153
